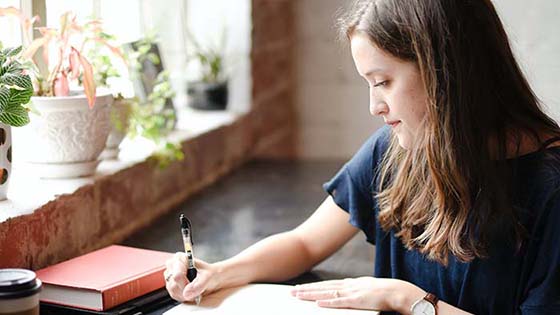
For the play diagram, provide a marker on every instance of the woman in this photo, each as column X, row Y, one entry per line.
column 460, row 193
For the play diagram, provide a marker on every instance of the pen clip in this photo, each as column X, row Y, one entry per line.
column 186, row 225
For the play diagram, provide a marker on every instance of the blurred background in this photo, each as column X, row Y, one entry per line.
column 328, row 99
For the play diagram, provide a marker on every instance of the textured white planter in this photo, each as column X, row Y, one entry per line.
column 5, row 159
column 65, row 140
column 120, row 111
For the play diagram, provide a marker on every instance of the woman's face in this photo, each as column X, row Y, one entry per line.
column 396, row 91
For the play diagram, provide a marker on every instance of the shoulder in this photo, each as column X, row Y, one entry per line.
column 550, row 165
column 538, row 187
column 540, row 173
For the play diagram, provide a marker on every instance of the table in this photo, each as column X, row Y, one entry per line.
column 259, row 199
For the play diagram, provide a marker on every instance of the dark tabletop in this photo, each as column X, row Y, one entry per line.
column 255, row 201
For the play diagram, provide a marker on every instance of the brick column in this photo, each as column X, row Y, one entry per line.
column 272, row 57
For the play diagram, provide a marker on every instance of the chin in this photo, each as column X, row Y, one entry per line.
column 403, row 143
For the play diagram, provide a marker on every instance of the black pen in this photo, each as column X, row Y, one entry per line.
column 186, row 232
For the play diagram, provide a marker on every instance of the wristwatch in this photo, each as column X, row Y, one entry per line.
column 425, row 306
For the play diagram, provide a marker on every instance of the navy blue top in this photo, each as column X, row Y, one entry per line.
column 526, row 282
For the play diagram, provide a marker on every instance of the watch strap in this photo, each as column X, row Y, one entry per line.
column 433, row 299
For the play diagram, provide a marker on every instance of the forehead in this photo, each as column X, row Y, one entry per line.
column 369, row 57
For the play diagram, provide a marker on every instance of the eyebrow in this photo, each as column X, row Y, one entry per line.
column 372, row 71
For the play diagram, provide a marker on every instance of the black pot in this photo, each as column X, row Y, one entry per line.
column 208, row 96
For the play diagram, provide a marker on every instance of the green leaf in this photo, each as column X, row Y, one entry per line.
column 15, row 89
column 4, row 97
column 14, row 67
column 16, row 116
column 11, row 52
column 21, row 96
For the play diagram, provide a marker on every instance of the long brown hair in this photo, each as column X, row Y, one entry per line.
column 445, row 194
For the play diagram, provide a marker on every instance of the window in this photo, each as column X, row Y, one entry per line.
column 10, row 35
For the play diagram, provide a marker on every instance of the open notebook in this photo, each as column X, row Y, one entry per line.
column 270, row 299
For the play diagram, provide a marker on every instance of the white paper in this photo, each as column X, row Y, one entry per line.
column 258, row 299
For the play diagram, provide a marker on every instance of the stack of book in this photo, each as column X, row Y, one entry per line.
column 113, row 280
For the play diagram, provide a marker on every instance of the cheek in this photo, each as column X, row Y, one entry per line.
column 409, row 104
column 416, row 103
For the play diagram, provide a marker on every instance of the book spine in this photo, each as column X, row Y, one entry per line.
column 132, row 289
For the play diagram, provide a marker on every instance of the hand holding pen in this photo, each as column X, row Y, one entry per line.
column 181, row 271
column 186, row 232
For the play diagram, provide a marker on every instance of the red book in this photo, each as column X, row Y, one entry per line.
column 104, row 278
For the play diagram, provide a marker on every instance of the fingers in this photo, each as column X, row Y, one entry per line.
column 319, row 295
column 178, row 285
column 342, row 302
column 329, row 285
column 199, row 285
column 332, row 298
column 174, row 275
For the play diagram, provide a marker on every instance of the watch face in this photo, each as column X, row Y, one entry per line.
column 423, row 307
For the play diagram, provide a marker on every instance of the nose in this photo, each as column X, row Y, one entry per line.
column 377, row 107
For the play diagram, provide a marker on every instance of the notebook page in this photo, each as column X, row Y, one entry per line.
column 258, row 299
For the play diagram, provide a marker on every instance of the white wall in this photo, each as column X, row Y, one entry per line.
column 534, row 32
column 332, row 101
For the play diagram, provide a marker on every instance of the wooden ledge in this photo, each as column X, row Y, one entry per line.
column 47, row 221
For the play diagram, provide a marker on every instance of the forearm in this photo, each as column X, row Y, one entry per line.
column 276, row 258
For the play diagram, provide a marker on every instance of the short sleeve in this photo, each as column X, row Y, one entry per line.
column 542, row 294
column 352, row 188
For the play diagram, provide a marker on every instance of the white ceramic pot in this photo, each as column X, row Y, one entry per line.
column 5, row 159
column 120, row 114
column 65, row 140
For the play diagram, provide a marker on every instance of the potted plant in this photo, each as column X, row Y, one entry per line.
column 70, row 132
column 15, row 91
column 150, row 116
column 152, row 120
column 210, row 91
column 146, row 65
column 109, row 63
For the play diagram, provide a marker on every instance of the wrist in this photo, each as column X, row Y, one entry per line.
column 228, row 274
column 404, row 295
column 219, row 275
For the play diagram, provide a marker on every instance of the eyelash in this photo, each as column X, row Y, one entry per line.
column 382, row 83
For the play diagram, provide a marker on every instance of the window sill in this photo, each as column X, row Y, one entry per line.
column 27, row 192
column 45, row 221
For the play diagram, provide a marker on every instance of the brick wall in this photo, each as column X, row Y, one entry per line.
column 272, row 57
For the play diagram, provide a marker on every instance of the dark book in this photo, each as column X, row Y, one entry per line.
column 151, row 302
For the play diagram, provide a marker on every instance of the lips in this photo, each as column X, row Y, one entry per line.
column 393, row 123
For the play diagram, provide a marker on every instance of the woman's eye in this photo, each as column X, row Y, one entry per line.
column 382, row 83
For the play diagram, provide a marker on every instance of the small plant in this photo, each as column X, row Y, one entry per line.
column 62, row 62
column 148, row 118
column 15, row 88
column 104, row 54
column 211, row 59
column 142, row 52
column 151, row 120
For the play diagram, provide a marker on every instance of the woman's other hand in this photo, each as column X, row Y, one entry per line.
column 366, row 293
column 178, row 285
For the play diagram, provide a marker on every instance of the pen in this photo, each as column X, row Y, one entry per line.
column 186, row 232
